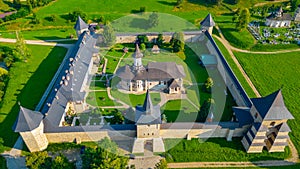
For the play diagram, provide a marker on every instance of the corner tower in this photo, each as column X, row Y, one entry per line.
column 80, row 26
column 207, row 24
column 31, row 128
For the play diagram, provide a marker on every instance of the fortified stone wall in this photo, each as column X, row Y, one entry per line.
column 127, row 134
column 131, row 37
column 89, row 135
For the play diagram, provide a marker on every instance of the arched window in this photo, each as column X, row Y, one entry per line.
column 273, row 123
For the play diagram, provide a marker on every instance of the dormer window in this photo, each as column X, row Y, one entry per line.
column 256, row 115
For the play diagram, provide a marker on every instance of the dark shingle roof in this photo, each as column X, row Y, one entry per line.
column 153, row 71
column 283, row 127
column 71, row 80
column 125, row 73
column 148, row 114
column 243, row 115
column 27, row 120
column 272, row 107
column 173, row 84
column 80, row 24
column 208, row 21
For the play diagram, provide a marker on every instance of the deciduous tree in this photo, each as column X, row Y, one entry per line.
column 243, row 19
column 177, row 42
column 153, row 20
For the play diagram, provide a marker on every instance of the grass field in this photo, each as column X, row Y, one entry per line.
column 235, row 69
column 214, row 149
column 272, row 72
column 27, row 83
column 192, row 11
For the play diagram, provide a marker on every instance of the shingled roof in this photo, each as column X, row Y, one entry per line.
column 153, row 71
column 148, row 114
column 137, row 53
column 27, row 120
column 69, row 85
column 272, row 107
column 243, row 115
column 80, row 24
column 208, row 21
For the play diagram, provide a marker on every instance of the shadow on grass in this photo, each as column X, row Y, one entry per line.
column 50, row 37
column 139, row 23
column 30, row 93
column 167, row 3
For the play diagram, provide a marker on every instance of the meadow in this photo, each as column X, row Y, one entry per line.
column 191, row 11
column 28, row 82
column 272, row 72
column 214, row 149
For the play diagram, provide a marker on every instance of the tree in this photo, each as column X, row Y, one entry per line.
column 219, row 2
column 21, row 51
column 243, row 19
column 160, row 40
column 153, row 20
column 293, row 5
column 162, row 164
column 109, row 35
column 38, row 160
column 61, row 162
column 1, row 145
column 179, row 3
column 208, row 84
column 142, row 39
column 103, row 158
column 74, row 15
column 205, row 109
column 3, row 6
column 143, row 46
column 118, row 117
column 177, row 42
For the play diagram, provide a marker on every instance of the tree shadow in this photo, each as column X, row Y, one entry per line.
column 167, row 3
column 30, row 94
column 204, row 3
column 139, row 23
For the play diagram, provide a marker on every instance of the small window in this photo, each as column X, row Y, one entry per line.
column 152, row 134
column 148, row 134
column 148, row 125
column 256, row 115
column 273, row 123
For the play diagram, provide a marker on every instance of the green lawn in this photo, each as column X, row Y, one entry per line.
column 179, row 111
column 133, row 99
column 43, row 34
column 272, row 72
column 100, row 98
column 97, row 85
column 27, row 83
column 235, row 69
column 214, row 149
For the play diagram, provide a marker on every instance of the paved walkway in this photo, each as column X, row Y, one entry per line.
column 37, row 42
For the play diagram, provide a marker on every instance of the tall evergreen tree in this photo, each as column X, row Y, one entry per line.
column 177, row 42
column 243, row 19
column 21, row 51
column 109, row 35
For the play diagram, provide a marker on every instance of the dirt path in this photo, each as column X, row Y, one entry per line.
column 37, row 42
column 228, row 47
column 271, row 2
column 294, row 153
column 229, row 164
